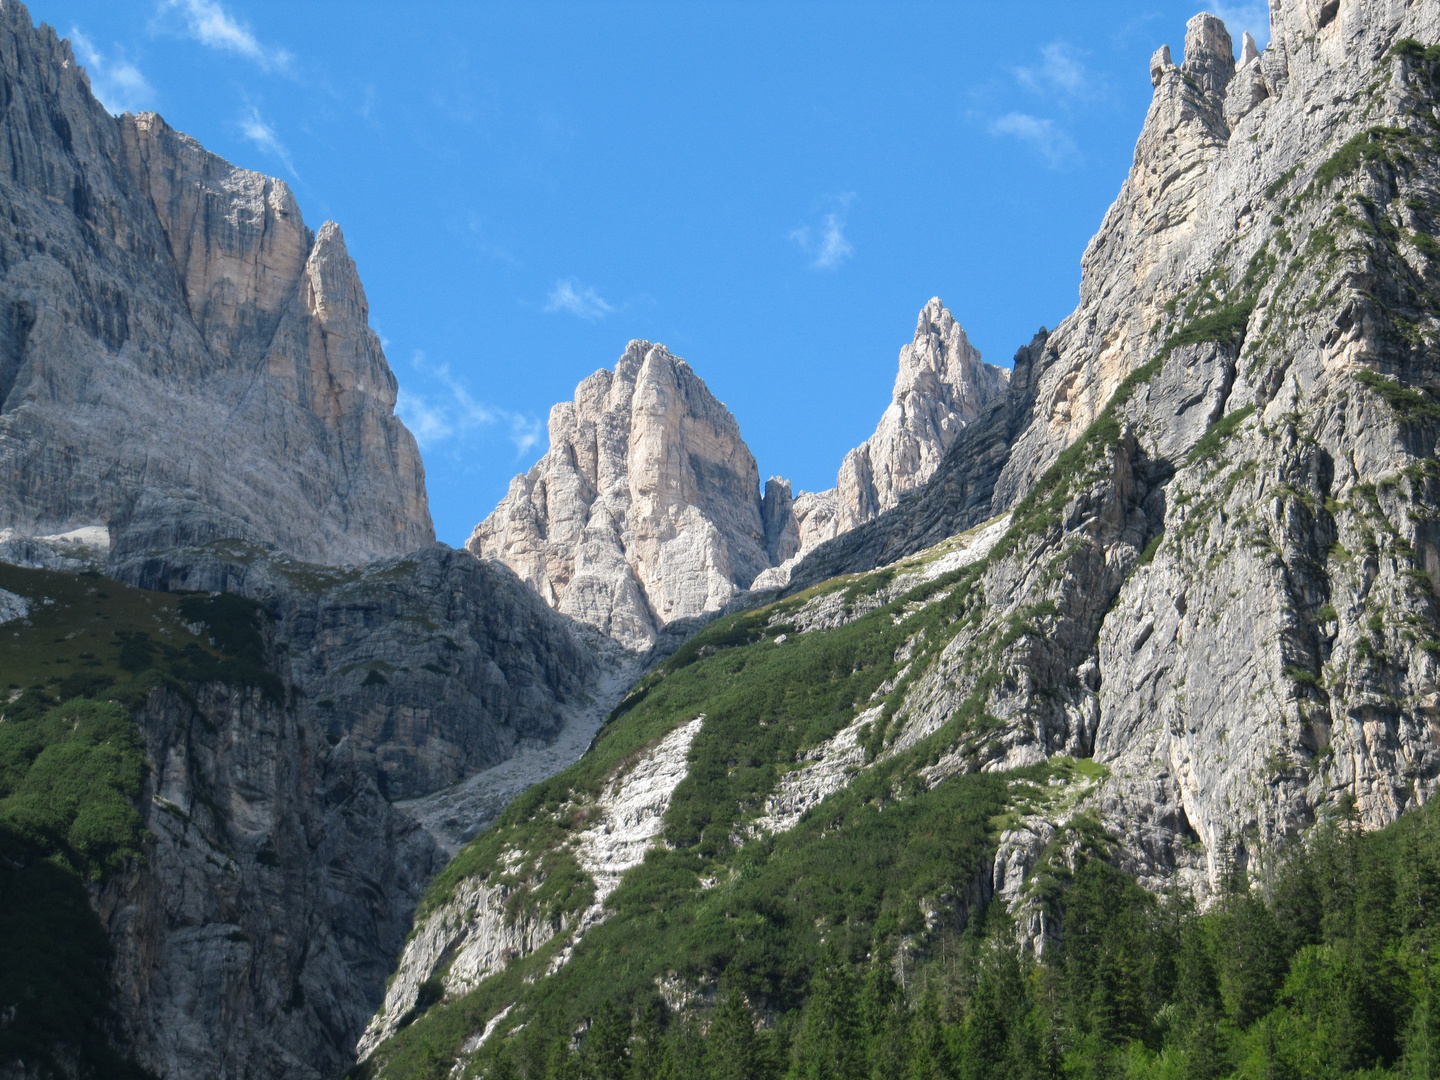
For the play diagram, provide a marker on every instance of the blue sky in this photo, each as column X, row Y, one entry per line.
column 772, row 189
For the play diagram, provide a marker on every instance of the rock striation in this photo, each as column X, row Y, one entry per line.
column 256, row 938
column 645, row 509
column 1243, row 398
column 181, row 358
column 942, row 385
column 1210, row 615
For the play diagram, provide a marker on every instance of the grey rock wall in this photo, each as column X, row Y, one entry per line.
column 257, row 938
column 1237, row 538
column 645, row 509
column 179, row 353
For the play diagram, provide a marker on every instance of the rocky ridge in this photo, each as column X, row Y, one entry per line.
column 256, row 937
column 1210, row 619
column 1262, row 283
column 181, row 358
column 192, row 400
column 647, row 507
column 941, row 386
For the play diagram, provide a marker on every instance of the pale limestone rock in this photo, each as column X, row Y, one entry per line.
column 645, row 509
column 941, row 386
column 12, row 607
column 474, row 929
column 1254, row 672
column 631, row 813
column 179, row 355
column 1248, row 88
column 471, row 935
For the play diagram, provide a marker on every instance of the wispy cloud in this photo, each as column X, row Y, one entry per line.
column 118, row 84
column 1053, row 143
column 570, row 297
column 826, row 243
column 1060, row 70
column 526, row 432
column 451, row 412
column 209, row 23
column 1241, row 17
column 254, row 127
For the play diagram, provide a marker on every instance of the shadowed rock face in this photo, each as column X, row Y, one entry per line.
column 256, row 938
column 180, row 357
column 646, row 509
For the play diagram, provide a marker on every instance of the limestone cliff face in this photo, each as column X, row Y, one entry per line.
column 646, row 509
column 180, row 357
column 256, row 938
column 942, row 385
column 1198, row 541
column 1239, row 535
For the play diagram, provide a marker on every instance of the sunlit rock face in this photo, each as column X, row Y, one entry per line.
column 181, row 358
column 1231, row 456
column 941, row 386
column 646, row 509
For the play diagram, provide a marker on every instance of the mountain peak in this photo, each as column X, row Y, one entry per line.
column 645, row 509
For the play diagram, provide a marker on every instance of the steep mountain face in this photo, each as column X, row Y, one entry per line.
column 215, row 758
column 280, row 724
column 181, row 359
column 942, row 385
column 1168, row 603
column 1244, row 395
column 646, row 508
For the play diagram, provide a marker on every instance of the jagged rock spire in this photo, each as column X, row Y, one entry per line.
column 646, row 508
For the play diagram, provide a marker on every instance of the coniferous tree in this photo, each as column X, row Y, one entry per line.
column 605, row 1052
column 885, row 1019
column 827, row 1046
column 929, row 1053
column 563, row 1063
column 650, row 1057
column 503, row 1068
column 733, row 1051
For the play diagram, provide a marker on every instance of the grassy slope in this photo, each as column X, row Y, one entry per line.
column 870, row 867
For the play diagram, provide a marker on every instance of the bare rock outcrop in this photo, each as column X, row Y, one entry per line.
column 646, row 509
column 180, row 356
column 1240, row 417
column 942, row 386
column 256, row 937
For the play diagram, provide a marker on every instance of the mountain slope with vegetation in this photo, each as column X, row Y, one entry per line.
column 1107, row 785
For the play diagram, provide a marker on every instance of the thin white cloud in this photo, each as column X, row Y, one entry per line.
column 452, row 413
column 1053, row 143
column 569, row 296
column 1245, row 16
column 1060, row 70
column 428, row 423
column 525, row 432
column 826, row 243
column 254, row 127
column 209, row 23
column 119, row 85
